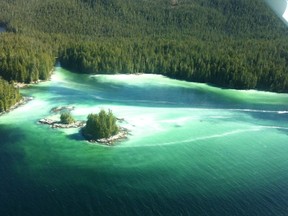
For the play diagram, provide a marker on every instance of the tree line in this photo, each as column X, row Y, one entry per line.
column 9, row 96
column 240, row 65
column 24, row 59
column 236, row 44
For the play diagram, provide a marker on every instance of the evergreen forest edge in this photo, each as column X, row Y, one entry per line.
column 234, row 44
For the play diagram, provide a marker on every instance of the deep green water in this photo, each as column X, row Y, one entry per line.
column 193, row 150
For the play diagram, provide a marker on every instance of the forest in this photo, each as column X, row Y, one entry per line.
column 237, row 44
column 9, row 96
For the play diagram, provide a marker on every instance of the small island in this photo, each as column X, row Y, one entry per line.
column 57, row 124
column 66, row 119
column 100, row 128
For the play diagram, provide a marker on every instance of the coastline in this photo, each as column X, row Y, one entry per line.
column 58, row 124
column 121, row 135
column 25, row 100
column 22, row 102
column 20, row 85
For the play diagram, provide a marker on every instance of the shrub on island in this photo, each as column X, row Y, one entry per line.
column 66, row 118
column 101, row 125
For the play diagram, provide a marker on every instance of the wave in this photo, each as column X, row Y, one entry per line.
column 220, row 135
column 273, row 127
column 282, row 112
column 196, row 139
column 219, row 117
column 260, row 111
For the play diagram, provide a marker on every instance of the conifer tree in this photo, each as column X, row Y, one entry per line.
column 101, row 125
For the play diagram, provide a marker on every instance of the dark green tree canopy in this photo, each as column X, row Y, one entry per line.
column 236, row 44
column 66, row 118
column 101, row 125
column 8, row 95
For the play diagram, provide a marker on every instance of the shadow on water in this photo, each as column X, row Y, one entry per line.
column 76, row 137
column 10, row 135
column 10, row 152
column 11, row 158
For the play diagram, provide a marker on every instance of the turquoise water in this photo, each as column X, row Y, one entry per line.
column 193, row 150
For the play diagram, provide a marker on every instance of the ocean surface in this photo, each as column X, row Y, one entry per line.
column 194, row 149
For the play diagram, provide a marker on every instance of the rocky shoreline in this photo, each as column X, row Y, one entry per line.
column 22, row 102
column 20, row 85
column 121, row 135
column 58, row 124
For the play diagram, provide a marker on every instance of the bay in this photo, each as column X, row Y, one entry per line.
column 194, row 149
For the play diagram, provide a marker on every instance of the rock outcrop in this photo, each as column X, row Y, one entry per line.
column 57, row 124
column 62, row 108
column 122, row 134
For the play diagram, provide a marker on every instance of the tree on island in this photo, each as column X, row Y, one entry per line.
column 101, row 125
column 66, row 118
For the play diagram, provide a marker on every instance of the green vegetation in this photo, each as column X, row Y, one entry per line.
column 8, row 95
column 236, row 44
column 24, row 59
column 202, row 19
column 101, row 125
column 249, row 64
column 66, row 118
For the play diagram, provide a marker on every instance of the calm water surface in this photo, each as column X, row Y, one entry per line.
column 193, row 150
